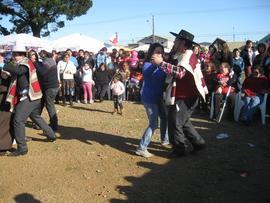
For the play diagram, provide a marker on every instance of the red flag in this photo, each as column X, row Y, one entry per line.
column 114, row 39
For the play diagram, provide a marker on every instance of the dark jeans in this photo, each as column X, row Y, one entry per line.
column 68, row 88
column 23, row 110
column 218, row 100
column 48, row 101
column 101, row 90
column 182, row 134
column 78, row 92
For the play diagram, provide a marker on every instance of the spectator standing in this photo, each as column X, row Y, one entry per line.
column 87, row 83
column 67, row 69
column 238, row 67
column 102, row 80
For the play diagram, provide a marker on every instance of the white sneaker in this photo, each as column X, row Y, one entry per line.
column 165, row 143
column 91, row 101
column 144, row 153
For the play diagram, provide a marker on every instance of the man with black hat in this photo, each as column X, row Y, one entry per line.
column 186, row 85
column 24, row 96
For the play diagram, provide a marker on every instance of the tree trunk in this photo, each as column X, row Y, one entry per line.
column 36, row 31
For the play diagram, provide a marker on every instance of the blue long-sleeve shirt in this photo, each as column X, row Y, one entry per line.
column 154, row 79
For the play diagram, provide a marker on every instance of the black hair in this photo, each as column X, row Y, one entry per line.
column 259, row 68
column 151, row 50
column 141, row 54
column 248, row 41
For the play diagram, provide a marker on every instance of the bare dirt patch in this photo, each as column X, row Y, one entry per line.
column 93, row 161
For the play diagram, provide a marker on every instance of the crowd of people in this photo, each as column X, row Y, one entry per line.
column 32, row 80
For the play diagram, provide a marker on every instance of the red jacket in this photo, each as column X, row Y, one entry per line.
column 253, row 86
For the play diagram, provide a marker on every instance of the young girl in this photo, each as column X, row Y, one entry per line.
column 118, row 90
column 87, row 82
column 224, row 80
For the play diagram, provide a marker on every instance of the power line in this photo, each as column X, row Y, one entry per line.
column 243, row 33
column 214, row 10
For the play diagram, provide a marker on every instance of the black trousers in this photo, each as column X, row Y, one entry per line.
column 23, row 110
column 182, row 134
column 48, row 101
column 218, row 100
column 101, row 90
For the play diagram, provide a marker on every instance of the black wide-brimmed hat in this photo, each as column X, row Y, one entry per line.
column 183, row 34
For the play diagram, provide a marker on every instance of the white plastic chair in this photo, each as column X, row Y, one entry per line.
column 239, row 103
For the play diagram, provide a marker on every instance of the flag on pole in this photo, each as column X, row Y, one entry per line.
column 114, row 39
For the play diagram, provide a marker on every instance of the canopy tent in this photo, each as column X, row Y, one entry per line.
column 77, row 41
column 26, row 40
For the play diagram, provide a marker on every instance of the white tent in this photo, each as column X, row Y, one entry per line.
column 25, row 40
column 77, row 41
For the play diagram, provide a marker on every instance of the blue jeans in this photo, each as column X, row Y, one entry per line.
column 154, row 111
column 250, row 106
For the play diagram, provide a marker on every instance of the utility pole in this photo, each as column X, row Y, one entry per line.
column 153, row 28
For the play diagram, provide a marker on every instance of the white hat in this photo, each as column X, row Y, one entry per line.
column 19, row 48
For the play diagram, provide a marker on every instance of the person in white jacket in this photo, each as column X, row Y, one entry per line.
column 66, row 70
column 118, row 90
column 87, row 83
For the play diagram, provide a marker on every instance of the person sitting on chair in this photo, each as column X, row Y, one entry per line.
column 253, row 87
column 225, row 81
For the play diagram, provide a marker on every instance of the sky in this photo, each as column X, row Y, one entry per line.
column 231, row 20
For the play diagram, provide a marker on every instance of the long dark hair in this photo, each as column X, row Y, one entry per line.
column 151, row 51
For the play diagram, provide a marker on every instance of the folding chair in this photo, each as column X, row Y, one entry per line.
column 239, row 103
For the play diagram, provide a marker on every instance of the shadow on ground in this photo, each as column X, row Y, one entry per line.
column 235, row 169
column 26, row 198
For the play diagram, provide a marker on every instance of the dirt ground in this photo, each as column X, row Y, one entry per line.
column 93, row 161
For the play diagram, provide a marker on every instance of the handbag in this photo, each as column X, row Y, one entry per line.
column 62, row 74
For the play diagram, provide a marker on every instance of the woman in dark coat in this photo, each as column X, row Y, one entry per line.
column 102, row 79
column 5, row 115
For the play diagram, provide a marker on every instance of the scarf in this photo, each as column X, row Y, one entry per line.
column 34, row 92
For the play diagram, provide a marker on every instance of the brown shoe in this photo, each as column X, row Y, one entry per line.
column 120, row 112
column 115, row 110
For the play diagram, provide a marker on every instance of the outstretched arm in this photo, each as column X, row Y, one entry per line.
column 175, row 71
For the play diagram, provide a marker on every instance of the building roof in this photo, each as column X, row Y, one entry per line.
column 150, row 38
column 265, row 39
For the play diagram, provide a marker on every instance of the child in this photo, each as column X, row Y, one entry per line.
column 87, row 82
column 118, row 90
column 238, row 67
column 224, row 80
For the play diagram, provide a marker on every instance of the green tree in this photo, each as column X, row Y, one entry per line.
column 41, row 17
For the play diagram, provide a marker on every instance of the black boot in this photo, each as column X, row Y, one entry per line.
column 70, row 100
column 54, row 123
column 64, row 100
